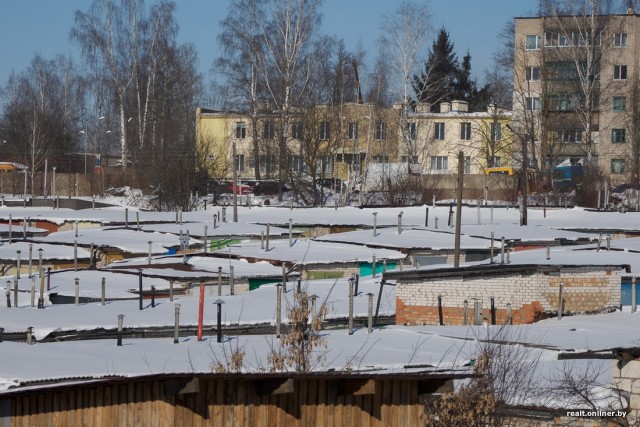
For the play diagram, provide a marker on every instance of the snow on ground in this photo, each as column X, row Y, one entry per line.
column 389, row 348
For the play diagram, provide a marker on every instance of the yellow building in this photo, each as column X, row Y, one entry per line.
column 342, row 141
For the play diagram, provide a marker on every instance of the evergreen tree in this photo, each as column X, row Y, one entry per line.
column 438, row 80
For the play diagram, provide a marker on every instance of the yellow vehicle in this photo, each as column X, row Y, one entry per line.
column 500, row 171
column 11, row 167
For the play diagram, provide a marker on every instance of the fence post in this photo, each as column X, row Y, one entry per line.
column 560, row 301
column 120, row 321
column 351, row 306
column 176, row 327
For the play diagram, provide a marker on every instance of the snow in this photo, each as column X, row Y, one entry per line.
column 386, row 349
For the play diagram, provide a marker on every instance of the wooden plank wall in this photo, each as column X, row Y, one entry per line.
column 226, row 402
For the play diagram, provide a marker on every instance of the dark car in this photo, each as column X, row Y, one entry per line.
column 268, row 188
column 332, row 183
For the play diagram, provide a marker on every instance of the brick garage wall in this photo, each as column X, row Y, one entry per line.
column 585, row 289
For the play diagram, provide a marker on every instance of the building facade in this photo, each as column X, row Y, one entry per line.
column 344, row 141
column 576, row 91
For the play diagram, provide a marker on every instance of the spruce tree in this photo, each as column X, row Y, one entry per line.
column 438, row 80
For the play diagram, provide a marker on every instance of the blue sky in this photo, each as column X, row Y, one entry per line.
column 29, row 27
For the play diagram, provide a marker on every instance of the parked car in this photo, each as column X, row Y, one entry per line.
column 333, row 183
column 268, row 188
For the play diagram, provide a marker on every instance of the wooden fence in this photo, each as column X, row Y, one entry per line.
column 267, row 400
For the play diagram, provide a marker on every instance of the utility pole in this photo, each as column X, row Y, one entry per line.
column 456, row 253
column 235, row 183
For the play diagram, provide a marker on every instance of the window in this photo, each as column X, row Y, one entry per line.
column 560, row 102
column 297, row 163
column 620, row 72
column 269, row 130
column 353, row 130
column 241, row 130
column 408, row 159
column 297, row 131
column 533, row 103
column 619, row 103
column 411, row 131
column 495, row 162
column 533, row 73
column 439, row 163
column 496, row 131
column 532, row 42
column 380, row 159
column 438, row 130
column 381, row 131
column 557, row 39
column 467, row 164
column 617, row 166
column 618, row 136
column 465, row 131
column 267, row 163
column 570, row 135
column 240, row 162
column 620, row 40
column 325, row 131
column 325, row 165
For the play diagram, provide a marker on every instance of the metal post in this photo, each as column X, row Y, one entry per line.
column 278, row 308
column 608, row 242
column 176, row 324
column 205, row 239
column 491, row 215
column 120, row 321
column 599, row 242
column 77, row 286
column 350, row 306
column 492, row 246
column 18, row 264
column 153, row 296
column 548, row 252
column 493, row 310
column 219, row 303
column 126, row 217
column 140, row 290
column 15, row 292
column 8, row 293
column 426, row 216
column 267, row 241
column 261, row 240
column 502, row 251
column 440, row 319
column 10, row 229
column 48, row 279
column 231, row 281
column 170, row 290
column 75, row 255
column 478, row 213
column 560, row 301
column 435, row 223
column 41, row 298
column 373, row 266
column 219, row 281
column 400, row 223
column 30, row 335
column 357, row 279
column 290, row 232
column 33, row 292
column 200, row 311
column 509, row 316
column 456, row 255
column 466, row 313
column 370, row 313
column 633, row 294
column 103, row 291
column 375, row 224
column 30, row 259
column 137, row 220
column 40, row 262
